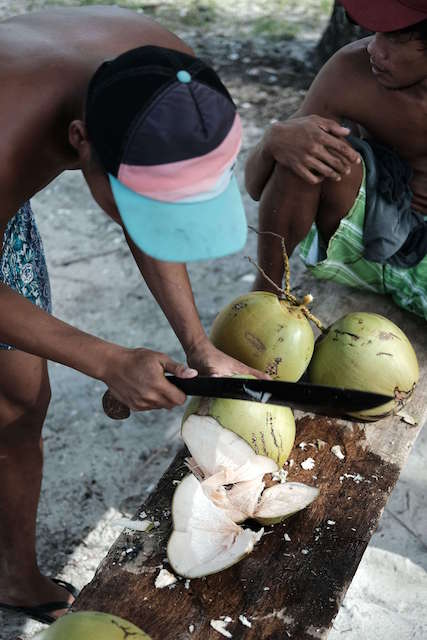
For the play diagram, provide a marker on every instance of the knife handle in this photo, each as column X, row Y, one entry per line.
column 114, row 409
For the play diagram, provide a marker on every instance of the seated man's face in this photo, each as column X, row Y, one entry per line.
column 398, row 61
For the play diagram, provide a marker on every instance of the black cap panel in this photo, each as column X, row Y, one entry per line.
column 187, row 121
column 122, row 93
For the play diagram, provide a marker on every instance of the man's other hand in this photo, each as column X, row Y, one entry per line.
column 312, row 147
column 210, row 361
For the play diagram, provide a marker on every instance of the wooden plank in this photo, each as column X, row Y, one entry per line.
column 284, row 588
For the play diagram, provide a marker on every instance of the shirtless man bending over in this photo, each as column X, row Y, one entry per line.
column 155, row 134
column 358, row 204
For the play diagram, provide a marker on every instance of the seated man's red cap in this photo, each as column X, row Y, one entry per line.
column 386, row 15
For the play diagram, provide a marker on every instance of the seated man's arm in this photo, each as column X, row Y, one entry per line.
column 312, row 142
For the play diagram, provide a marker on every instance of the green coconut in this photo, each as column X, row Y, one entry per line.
column 268, row 429
column 368, row 352
column 266, row 333
column 93, row 625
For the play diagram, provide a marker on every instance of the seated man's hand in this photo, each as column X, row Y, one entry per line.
column 210, row 361
column 312, row 147
column 136, row 377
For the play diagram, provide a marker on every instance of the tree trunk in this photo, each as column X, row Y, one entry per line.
column 339, row 32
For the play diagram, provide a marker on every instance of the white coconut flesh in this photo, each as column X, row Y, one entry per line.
column 251, row 500
column 240, row 501
column 216, row 449
column 285, row 499
column 205, row 540
column 227, row 487
column 226, row 459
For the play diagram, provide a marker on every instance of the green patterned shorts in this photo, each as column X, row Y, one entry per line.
column 342, row 261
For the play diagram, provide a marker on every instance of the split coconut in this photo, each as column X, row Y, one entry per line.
column 227, row 487
column 368, row 352
column 268, row 429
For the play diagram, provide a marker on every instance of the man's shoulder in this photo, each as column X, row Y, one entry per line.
column 343, row 88
column 352, row 59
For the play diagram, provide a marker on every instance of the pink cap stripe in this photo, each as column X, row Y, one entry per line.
column 187, row 178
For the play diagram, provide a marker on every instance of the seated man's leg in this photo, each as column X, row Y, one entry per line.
column 289, row 206
column 24, row 399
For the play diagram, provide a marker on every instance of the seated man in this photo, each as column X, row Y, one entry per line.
column 155, row 133
column 357, row 205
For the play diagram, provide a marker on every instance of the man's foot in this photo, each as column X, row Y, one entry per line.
column 45, row 599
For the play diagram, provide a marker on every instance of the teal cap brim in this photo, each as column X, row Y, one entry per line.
column 184, row 231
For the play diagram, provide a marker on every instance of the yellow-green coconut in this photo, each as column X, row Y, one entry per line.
column 367, row 351
column 266, row 333
column 93, row 625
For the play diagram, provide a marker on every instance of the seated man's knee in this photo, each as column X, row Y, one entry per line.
column 342, row 192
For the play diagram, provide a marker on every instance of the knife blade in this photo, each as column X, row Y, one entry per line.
column 331, row 401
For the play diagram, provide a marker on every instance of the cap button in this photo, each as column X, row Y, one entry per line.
column 183, row 76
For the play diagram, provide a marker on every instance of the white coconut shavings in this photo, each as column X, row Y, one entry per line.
column 164, row 579
column 305, row 551
column 245, row 621
column 331, row 522
column 280, row 475
column 187, row 584
column 287, row 537
column 136, row 525
column 337, row 451
column 354, row 476
column 221, row 627
column 266, row 588
column 308, row 464
column 191, row 628
column 303, row 445
column 407, row 418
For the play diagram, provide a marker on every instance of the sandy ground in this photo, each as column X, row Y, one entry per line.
column 97, row 470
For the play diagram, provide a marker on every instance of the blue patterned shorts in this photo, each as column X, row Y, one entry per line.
column 22, row 264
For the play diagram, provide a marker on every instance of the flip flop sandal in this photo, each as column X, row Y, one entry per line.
column 41, row 611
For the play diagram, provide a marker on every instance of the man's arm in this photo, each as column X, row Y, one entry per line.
column 170, row 285
column 135, row 376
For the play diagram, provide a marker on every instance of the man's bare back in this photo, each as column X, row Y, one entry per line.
column 46, row 62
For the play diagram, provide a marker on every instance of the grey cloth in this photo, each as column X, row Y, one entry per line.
column 393, row 232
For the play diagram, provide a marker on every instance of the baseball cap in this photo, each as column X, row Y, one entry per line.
column 167, row 132
column 386, row 15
